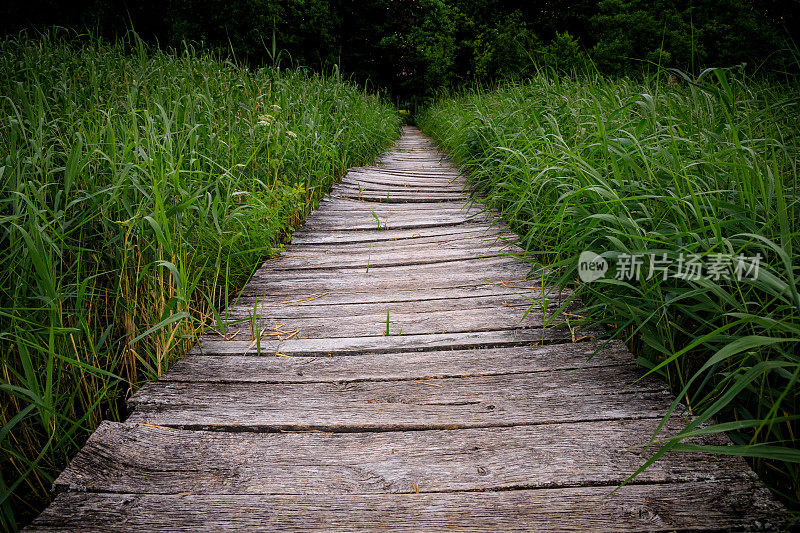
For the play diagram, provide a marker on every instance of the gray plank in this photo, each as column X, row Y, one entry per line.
column 287, row 344
column 347, row 205
column 365, row 220
column 588, row 394
column 328, row 307
column 478, row 269
column 390, row 254
column 396, row 366
column 352, row 185
column 135, row 458
column 415, row 170
column 383, row 182
column 305, row 236
column 411, row 322
column 428, row 245
column 515, row 294
column 720, row 505
column 393, row 196
column 296, row 284
column 455, row 183
column 431, row 243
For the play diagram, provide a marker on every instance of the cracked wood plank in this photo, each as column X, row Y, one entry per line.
column 397, row 366
column 134, row 458
column 721, row 505
column 584, row 394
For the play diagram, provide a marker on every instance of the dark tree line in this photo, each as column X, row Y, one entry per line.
column 416, row 46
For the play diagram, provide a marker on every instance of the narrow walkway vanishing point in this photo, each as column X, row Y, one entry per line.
column 396, row 386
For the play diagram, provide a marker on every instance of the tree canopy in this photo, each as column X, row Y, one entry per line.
column 413, row 47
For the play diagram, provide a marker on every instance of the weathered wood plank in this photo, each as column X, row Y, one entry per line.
column 478, row 269
column 388, row 254
column 419, row 165
column 430, row 244
column 134, row 458
column 388, row 177
column 515, row 294
column 296, row 288
column 352, row 186
column 338, row 325
column 305, row 236
column 285, row 343
column 370, row 210
column 347, row 205
column 323, row 308
column 365, row 221
column 305, row 283
column 413, row 171
column 442, row 173
column 587, row 394
column 415, row 161
column 364, row 186
column 300, row 288
column 416, row 169
column 383, row 182
column 392, row 196
column 720, row 505
column 396, row 366
column 455, row 184
column 334, row 207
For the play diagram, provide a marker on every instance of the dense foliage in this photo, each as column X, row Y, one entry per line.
column 138, row 191
column 672, row 166
column 413, row 47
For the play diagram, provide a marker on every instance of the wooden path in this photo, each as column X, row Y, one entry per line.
column 465, row 417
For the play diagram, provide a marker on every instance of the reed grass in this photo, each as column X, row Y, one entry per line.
column 667, row 164
column 140, row 190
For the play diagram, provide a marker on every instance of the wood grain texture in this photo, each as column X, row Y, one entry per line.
column 304, row 236
column 396, row 366
column 301, row 413
column 463, row 273
column 347, row 205
column 288, row 344
column 324, row 307
column 715, row 506
column 436, row 242
column 396, row 197
column 351, row 182
column 331, row 322
column 383, row 254
column 134, row 458
column 262, row 322
column 514, row 293
column 600, row 393
column 365, row 220
column 384, row 180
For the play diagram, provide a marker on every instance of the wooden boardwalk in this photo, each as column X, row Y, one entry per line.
column 382, row 378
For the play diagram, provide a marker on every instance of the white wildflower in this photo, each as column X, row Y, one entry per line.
column 291, row 134
column 265, row 120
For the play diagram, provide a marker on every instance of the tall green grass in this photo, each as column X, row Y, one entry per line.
column 140, row 189
column 669, row 164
